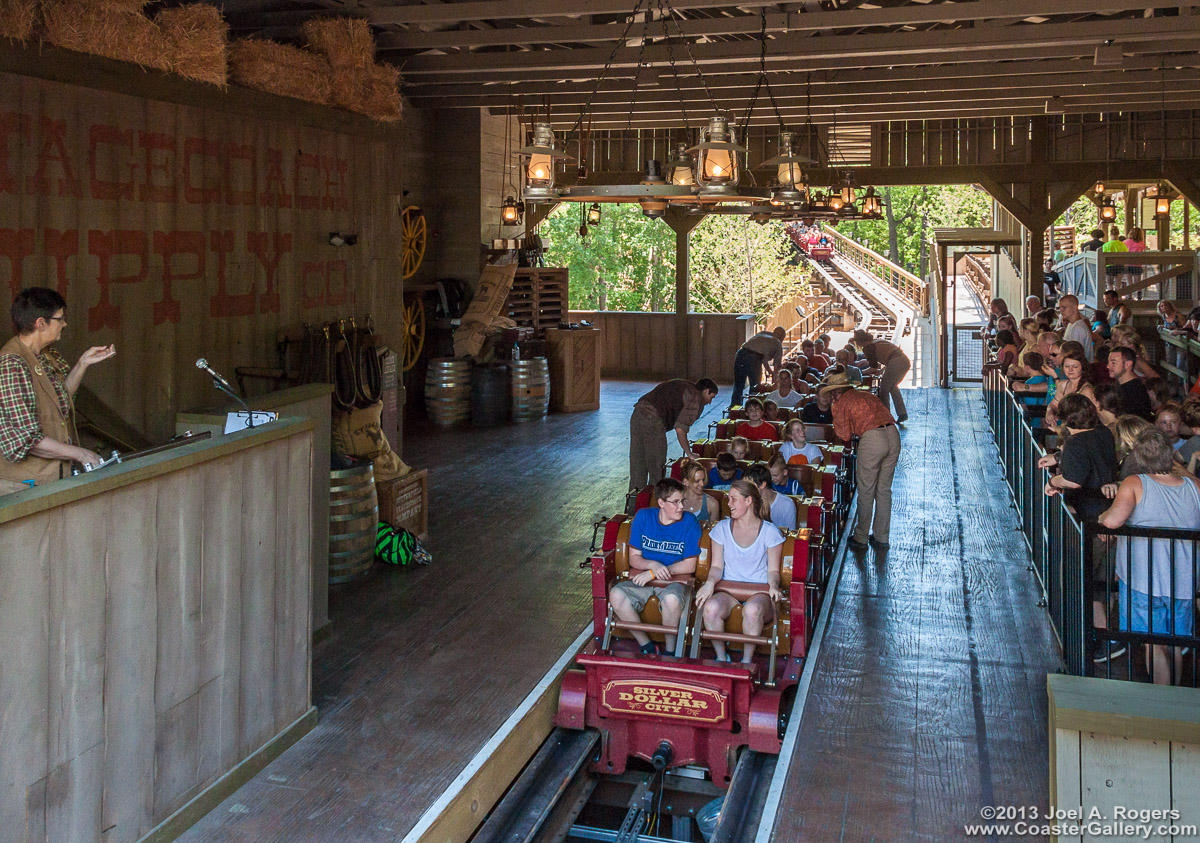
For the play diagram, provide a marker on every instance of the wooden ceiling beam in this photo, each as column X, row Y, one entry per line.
column 1040, row 85
column 746, row 24
column 1071, row 38
column 891, row 16
column 993, row 71
column 883, row 112
column 1174, row 51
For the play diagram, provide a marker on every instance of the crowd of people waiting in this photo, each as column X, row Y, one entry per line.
column 1124, row 442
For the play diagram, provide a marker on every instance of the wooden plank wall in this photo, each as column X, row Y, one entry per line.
column 179, row 232
column 642, row 345
column 159, row 634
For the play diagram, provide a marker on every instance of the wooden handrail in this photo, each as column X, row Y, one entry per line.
column 909, row 286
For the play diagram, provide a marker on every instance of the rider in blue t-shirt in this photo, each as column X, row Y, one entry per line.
column 664, row 542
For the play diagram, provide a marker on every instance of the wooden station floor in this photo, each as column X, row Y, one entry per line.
column 424, row 664
column 930, row 697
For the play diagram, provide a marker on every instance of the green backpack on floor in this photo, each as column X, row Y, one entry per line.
column 395, row 546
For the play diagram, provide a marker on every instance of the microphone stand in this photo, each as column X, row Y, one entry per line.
column 249, row 413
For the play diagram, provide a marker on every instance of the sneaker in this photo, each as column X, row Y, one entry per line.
column 878, row 543
column 855, row 544
column 1115, row 652
column 649, row 649
column 902, row 420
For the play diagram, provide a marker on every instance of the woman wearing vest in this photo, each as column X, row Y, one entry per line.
column 36, row 389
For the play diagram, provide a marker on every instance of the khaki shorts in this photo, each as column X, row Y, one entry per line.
column 639, row 595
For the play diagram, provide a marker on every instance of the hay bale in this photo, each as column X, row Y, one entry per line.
column 104, row 30
column 280, row 69
column 381, row 100
column 197, row 42
column 346, row 42
column 17, row 18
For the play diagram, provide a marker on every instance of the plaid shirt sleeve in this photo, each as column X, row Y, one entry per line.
column 19, row 428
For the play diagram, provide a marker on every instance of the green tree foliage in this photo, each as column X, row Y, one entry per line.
column 627, row 262
column 911, row 214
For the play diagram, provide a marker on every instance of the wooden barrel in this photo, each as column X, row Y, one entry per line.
column 353, row 521
column 530, row 389
column 448, row 390
column 489, row 394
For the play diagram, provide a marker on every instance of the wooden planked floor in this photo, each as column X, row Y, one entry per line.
column 929, row 696
column 424, row 664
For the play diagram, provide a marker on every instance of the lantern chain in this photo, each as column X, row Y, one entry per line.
column 637, row 75
column 663, row 12
column 687, row 46
column 587, row 105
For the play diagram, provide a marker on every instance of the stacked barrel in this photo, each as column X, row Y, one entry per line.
column 448, row 390
column 530, row 389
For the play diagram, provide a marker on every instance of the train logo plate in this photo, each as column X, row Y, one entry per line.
column 655, row 698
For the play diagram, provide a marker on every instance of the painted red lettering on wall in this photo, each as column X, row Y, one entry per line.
column 121, row 183
column 158, row 182
column 171, row 245
column 107, row 246
column 53, row 151
column 12, row 124
column 16, row 244
column 269, row 248
column 224, row 303
column 61, row 245
column 276, row 192
column 197, row 189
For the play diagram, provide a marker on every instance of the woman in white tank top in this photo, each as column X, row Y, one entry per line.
column 746, row 548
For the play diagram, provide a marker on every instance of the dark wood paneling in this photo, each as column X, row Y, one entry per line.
column 157, row 222
column 642, row 345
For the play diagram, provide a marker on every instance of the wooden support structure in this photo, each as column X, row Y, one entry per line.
column 682, row 223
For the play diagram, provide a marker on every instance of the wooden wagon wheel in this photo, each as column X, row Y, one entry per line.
column 412, row 222
column 414, row 332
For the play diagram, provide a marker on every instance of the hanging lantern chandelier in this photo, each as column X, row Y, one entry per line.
column 1108, row 210
column 652, row 206
column 511, row 211
column 789, row 174
column 717, row 170
column 679, row 170
column 872, row 208
column 1162, row 202
column 539, row 159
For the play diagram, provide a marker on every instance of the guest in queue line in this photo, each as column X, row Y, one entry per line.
column 38, row 439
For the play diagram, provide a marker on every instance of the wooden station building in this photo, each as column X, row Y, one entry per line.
column 160, row 615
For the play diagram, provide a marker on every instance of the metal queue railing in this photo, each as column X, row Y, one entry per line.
column 1074, row 560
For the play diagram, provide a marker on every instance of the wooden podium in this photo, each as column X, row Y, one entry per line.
column 574, row 358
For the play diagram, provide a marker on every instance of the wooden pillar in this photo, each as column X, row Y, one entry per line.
column 1187, row 223
column 682, row 224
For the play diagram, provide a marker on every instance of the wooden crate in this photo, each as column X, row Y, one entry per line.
column 574, row 359
column 404, row 502
column 538, row 298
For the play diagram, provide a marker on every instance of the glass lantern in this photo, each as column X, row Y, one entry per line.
column 539, row 160
column 716, row 157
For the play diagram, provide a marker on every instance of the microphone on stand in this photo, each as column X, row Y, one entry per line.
column 223, row 385
column 203, row 366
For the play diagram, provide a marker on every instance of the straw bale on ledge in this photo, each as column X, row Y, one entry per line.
column 346, row 42
column 17, row 19
column 381, row 100
column 104, row 30
column 280, row 69
column 197, row 40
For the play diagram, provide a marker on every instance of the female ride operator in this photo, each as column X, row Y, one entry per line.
column 746, row 548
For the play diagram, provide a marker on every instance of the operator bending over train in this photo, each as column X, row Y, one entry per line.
column 663, row 541
column 746, row 548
